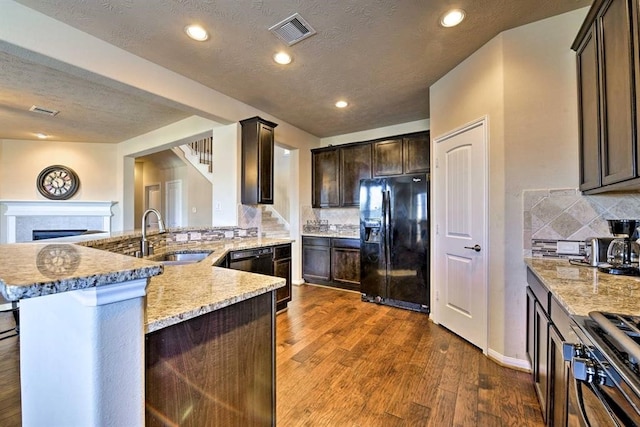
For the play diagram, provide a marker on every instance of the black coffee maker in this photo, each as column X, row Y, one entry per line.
column 626, row 232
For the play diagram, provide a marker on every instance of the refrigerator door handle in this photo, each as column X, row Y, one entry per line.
column 386, row 200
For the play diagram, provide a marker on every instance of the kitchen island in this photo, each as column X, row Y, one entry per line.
column 83, row 325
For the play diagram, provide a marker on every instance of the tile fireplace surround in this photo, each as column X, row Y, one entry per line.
column 20, row 217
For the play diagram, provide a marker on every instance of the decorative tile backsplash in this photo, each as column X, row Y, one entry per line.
column 334, row 219
column 566, row 214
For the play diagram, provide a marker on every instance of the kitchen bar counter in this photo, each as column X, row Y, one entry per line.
column 182, row 292
column 581, row 289
column 189, row 290
column 94, row 302
column 35, row 269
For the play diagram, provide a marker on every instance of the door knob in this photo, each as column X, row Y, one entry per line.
column 476, row 248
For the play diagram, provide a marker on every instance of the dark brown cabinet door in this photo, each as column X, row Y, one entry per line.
column 388, row 157
column 345, row 265
column 325, row 178
column 282, row 268
column 558, row 380
column 416, row 153
column 616, row 59
column 588, row 112
column 530, row 342
column 257, row 161
column 355, row 164
column 541, row 357
column 316, row 259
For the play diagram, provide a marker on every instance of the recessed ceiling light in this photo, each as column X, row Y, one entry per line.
column 282, row 58
column 452, row 18
column 196, row 32
column 42, row 135
column 341, row 104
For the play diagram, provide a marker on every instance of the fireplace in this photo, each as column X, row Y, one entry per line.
column 22, row 217
column 52, row 234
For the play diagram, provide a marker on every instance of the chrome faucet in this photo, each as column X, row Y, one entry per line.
column 145, row 249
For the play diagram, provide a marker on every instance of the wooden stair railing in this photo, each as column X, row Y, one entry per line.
column 203, row 148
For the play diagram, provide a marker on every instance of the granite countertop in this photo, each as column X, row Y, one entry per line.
column 189, row 290
column 174, row 293
column 581, row 289
column 34, row 269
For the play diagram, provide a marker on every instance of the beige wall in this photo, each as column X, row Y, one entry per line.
column 524, row 82
column 22, row 161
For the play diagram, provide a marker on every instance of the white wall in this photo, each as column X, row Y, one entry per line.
column 524, row 81
column 95, row 164
column 383, row 132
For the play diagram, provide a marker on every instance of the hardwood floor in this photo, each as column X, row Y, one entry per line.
column 342, row 362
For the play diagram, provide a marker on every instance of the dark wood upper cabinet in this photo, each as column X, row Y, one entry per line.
column 387, row 157
column 355, row 164
column 416, row 153
column 325, row 178
column 257, row 161
column 402, row 155
column 589, row 119
column 337, row 170
column 607, row 68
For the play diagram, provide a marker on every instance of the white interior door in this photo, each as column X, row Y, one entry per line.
column 460, row 258
column 174, row 203
column 152, row 200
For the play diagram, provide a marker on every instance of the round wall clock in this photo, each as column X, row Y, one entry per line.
column 57, row 182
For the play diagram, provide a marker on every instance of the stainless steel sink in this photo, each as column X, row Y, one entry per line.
column 176, row 258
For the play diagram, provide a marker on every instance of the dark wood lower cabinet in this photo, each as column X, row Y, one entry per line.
column 282, row 268
column 316, row 259
column 548, row 327
column 558, row 380
column 215, row 369
column 345, row 262
column 331, row 261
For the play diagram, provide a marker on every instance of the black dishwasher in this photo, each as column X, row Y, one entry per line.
column 258, row 260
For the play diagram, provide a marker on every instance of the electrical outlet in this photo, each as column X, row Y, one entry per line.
column 228, row 234
column 242, row 232
column 182, row 237
column 194, row 235
column 218, row 206
column 566, row 247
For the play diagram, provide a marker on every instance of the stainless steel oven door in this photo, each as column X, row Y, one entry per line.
column 595, row 399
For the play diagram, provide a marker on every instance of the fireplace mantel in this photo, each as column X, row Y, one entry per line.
column 68, row 209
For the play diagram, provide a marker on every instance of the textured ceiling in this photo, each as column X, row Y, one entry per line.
column 380, row 55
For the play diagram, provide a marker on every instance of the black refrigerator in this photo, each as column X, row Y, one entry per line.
column 394, row 241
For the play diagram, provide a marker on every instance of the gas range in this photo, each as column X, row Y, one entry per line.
column 607, row 361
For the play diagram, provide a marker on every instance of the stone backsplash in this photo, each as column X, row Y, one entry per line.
column 333, row 219
column 566, row 214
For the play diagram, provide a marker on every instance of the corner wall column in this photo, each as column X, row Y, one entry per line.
column 82, row 356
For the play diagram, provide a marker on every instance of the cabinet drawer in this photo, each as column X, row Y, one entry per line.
column 560, row 318
column 541, row 293
column 338, row 242
column 282, row 252
column 316, row 241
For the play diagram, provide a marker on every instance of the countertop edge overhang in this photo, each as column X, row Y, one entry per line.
column 582, row 289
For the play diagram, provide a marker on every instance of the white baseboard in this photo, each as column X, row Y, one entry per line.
column 297, row 282
column 511, row 362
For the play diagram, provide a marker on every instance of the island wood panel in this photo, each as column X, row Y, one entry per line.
column 215, row 369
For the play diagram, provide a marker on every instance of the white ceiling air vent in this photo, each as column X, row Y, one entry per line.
column 293, row 29
column 42, row 110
